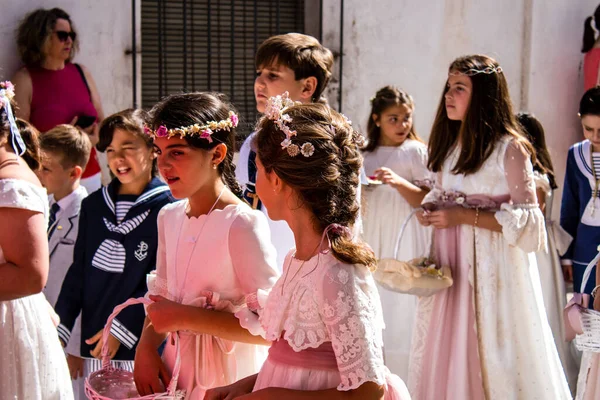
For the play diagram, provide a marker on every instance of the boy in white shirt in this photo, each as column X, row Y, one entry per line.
column 65, row 152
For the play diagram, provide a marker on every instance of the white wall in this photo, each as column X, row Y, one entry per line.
column 402, row 42
column 104, row 29
column 410, row 44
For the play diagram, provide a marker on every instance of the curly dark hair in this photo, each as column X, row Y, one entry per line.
column 327, row 182
column 35, row 30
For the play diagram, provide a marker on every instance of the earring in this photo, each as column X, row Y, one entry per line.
column 379, row 126
column 214, row 166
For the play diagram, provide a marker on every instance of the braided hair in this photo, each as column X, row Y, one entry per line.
column 327, row 181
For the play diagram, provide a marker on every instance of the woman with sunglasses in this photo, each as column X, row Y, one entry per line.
column 50, row 89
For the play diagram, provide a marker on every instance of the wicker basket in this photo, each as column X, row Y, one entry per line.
column 419, row 277
column 581, row 321
column 111, row 383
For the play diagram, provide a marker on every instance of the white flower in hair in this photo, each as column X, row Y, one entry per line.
column 275, row 111
column 286, row 143
column 307, row 149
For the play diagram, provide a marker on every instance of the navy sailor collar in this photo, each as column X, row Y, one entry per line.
column 154, row 189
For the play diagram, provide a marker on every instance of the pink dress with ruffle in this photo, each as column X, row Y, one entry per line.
column 326, row 324
column 214, row 261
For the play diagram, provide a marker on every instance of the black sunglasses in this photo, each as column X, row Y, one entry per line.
column 64, row 35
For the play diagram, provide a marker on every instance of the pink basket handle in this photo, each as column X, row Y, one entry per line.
column 106, row 360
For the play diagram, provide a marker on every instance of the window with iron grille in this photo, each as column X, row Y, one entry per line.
column 205, row 45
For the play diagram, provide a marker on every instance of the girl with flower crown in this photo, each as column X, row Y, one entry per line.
column 324, row 315
column 396, row 159
column 214, row 252
column 487, row 336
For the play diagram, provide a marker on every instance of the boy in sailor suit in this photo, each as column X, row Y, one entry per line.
column 580, row 208
column 65, row 153
column 116, row 245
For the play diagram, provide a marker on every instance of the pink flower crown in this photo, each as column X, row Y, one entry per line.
column 204, row 131
column 274, row 110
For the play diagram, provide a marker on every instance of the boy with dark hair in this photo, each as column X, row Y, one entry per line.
column 293, row 63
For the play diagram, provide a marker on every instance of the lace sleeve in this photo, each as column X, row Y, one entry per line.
column 157, row 279
column 351, row 311
column 522, row 221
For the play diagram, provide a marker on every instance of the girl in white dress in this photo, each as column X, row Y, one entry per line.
column 548, row 260
column 32, row 362
column 324, row 315
column 487, row 336
column 214, row 251
column 396, row 157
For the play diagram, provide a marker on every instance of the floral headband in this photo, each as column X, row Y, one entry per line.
column 473, row 71
column 204, row 131
column 7, row 92
column 274, row 110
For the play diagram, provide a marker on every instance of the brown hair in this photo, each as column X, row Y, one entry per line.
column 488, row 118
column 34, row 32
column 326, row 182
column 70, row 143
column 130, row 120
column 534, row 132
column 187, row 109
column 589, row 33
column 31, row 138
column 386, row 97
column 301, row 53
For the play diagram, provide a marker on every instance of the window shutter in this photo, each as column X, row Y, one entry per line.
column 209, row 45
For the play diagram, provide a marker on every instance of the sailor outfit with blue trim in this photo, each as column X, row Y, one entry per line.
column 111, row 261
column 580, row 212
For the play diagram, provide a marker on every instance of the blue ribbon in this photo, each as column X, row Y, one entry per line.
column 18, row 144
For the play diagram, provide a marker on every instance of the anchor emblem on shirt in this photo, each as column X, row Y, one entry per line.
column 142, row 251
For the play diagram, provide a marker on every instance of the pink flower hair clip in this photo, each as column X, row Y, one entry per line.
column 203, row 131
column 275, row 111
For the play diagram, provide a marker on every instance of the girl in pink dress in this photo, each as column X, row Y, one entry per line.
column 487, row 336
column 214, row 251
column 324, row 315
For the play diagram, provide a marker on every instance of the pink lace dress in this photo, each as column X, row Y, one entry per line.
column 487, row 336
column 325, row 322
column 213, row 261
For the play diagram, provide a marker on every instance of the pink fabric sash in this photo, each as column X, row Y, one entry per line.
column 447, row 199
column 322, row 357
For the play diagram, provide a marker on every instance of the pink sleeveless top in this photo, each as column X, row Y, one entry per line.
column 57, row 98
column 591, row 61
